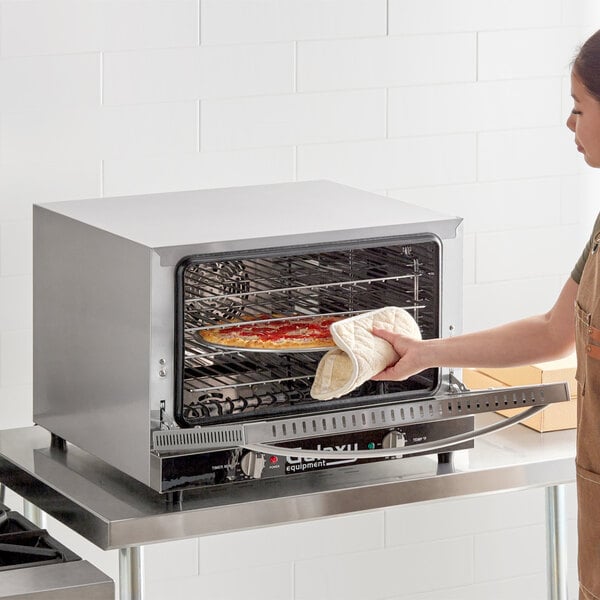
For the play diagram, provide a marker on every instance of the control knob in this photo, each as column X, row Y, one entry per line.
column 394, row 439
column 252, row 464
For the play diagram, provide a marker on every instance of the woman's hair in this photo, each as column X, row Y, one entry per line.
column 587, row 65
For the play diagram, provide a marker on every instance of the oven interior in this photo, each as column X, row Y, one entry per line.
column 221, row 385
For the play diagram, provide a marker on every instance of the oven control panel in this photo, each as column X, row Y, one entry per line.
column 256, row 465
column 236, row 465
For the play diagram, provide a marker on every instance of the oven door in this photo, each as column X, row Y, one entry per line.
column 216, row 385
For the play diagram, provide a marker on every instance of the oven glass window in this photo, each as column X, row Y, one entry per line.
column 218, row 384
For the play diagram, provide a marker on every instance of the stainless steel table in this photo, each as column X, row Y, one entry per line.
column 114, row 511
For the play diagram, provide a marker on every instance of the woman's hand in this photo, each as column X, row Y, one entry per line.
column 408, row 349
column 535, row 339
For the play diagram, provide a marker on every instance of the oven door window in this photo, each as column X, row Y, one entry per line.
column 216, row 384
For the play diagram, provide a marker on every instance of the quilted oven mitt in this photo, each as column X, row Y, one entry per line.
column 359, row 354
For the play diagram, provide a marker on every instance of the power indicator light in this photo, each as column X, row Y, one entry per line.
column 273, row 460
column 371, row 445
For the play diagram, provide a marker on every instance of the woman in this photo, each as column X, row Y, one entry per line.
column 574, row 320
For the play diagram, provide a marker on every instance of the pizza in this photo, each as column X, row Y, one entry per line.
column 269, row 332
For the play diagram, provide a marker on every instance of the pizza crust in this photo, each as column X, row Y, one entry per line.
column 274, row 334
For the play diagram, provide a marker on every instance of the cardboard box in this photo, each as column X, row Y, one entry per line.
column 554, row 417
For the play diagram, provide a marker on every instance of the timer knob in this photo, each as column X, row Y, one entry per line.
column 252, row 464
column 394, row 439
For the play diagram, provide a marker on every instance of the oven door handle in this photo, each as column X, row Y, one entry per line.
column 398, row 451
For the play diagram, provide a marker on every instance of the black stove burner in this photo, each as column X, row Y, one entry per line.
column 22, row 544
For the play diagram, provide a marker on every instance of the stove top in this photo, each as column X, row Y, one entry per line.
column 22, row 544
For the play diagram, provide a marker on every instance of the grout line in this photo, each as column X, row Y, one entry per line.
column 198, row 148
column 477, row 134
column 295, row 163
column 101, row 78
column 387, row 18
column 293, row 578
column 477, row 56
column 198, row 557
column 295, row 91
column 199, row 38
column 386, row 113
column 295, row 67
column 102, row 178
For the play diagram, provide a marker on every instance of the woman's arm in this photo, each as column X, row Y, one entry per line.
column 534, row 339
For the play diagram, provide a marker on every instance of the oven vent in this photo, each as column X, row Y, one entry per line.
column 192, row 439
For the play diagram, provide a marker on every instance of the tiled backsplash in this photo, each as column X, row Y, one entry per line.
column 458, row 105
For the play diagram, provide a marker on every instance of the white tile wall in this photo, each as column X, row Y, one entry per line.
column 205, row 72
column 340, row 536
column 264, row 583
column 481, row 106
column 232, row 21
column 15, row 248
column 292, row 119
column 102, row 132
column 15, row 357
column 457, row 518
column 526, row 53
column 526, row 253
column 70, row 26
column 581, row 13
column 458, row 105
column 32, row 179
column 542, row 152
column 532, row 587
column 171, row 560
column 496, row 206
column 139, row 175
column 404, row 162
column 435, row 16
column 15, row 407
column 468, row 259
column 389, row 61
column 492, row 561
column 490, row 304
column 387, row 573
column 42, row 82
column 15, row 305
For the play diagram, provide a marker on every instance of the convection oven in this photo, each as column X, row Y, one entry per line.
column 125, row 286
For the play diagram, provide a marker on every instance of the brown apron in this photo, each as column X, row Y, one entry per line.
column 587, row 330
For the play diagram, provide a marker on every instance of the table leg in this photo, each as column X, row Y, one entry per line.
column 131, row 573
column 556, row 541
column 34, row 514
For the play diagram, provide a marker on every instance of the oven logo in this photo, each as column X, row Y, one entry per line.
column 295, row 464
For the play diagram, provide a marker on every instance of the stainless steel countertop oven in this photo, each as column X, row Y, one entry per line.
column 123, row 287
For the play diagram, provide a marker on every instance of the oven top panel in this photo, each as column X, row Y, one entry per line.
column 230, row 219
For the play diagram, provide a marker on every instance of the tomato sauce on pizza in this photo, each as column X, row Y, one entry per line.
column 273, row 333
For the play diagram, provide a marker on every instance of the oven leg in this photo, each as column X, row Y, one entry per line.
column 131, row 573
column 556, row 533
column 444, row 458
column 174, row 499
column 57, row 442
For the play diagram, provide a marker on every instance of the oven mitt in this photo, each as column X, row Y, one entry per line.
column 359, row 354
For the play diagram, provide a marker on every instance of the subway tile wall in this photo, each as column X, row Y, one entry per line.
column 458, row 105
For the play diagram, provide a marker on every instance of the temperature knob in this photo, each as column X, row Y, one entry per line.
column 394, row 439
column 252, row 464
